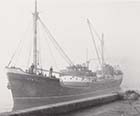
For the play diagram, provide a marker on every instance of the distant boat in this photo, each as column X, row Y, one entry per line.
column 33, row 87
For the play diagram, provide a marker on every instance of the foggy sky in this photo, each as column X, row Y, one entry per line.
column 118, row 20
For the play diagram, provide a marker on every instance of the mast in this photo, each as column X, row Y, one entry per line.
column 35, row 18
column 102, row 47
column 87, row 61
column 90, row 28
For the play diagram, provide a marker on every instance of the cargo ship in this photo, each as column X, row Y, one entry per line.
column 37, row 86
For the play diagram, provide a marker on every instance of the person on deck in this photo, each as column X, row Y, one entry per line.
column 50, row 72
column 31, row 70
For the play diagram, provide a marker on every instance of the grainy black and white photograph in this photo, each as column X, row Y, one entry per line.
column 69, row 57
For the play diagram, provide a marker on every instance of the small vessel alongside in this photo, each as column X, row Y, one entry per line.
column 33, row 87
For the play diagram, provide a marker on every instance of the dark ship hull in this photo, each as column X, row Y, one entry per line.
column 29, row 90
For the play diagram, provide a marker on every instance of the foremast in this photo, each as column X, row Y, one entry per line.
column 35, row 18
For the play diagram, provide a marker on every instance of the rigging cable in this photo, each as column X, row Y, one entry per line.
column 56, row 43
column 18, row 47
column 30, row 52
column 39, row 51
column 51, row 53
column 89, row 24
column 22, row 48
column 98, row 36
column 14, row 53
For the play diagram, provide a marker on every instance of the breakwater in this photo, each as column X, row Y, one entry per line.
column 65, row 107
